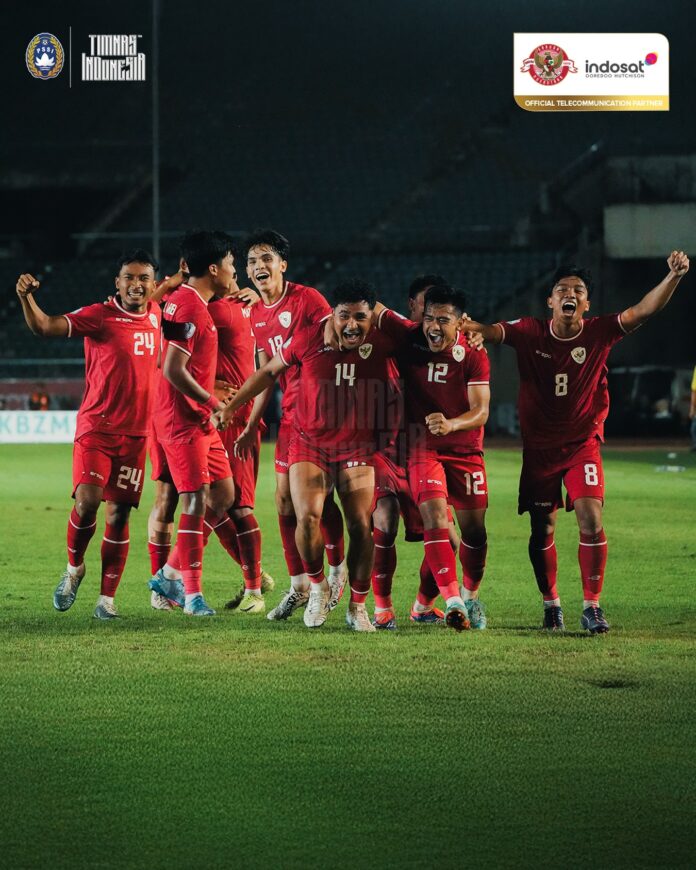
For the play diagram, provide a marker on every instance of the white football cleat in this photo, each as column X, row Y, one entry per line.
column 288, row 604
column 358, row 619
column 317, row 607
column 338, row 577
column 159, row 602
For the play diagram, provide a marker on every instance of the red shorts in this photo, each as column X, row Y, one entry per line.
column 158, row 459
column 282, row 449
column 391, row 479
column 114, row 462
column 331, row 461
column 244, row 471
column 578, row 466
column 458, row 478
column 196, row 461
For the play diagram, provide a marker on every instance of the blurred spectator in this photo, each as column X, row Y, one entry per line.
column 692, row 411
column 39, row 400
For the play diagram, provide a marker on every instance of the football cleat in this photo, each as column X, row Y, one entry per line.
column 427, row 617
column 65, row 592
column 252, row 603
column 317, row 607
column 198, row 607
column 267, row 582
column 456, row 617
column 172, row 590
column 593, row 620
column 385, row 621
column 105, row 610
column 553, row 618
column 288, row 604
column 234, row 602
column 337, row 583
column 358, row 620
column 476, row 613
column 159, row 602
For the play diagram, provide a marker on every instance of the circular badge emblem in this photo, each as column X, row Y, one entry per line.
column 548, row 64
column 45, row 56
column 458, row 352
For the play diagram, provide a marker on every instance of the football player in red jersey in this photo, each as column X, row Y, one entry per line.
column 393, row 495
column 447, row 395
column 340, row 391
column 284, row 308
column 563, row 403
column 121, row 339
column 195, row 456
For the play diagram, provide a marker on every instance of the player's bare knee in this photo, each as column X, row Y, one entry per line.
column 87, row 505
column 117, row 514
column 358, row 528
column 385, row 516
column 284, row 504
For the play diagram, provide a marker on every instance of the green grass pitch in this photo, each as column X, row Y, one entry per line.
column 165, row 742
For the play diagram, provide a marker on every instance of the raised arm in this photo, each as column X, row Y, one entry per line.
column 37, row 320
column 492, row 333
column 656, row 299
column 479, row 396
column 261, row 380
column 171, row 283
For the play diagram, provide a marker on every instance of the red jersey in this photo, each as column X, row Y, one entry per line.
column 339, row 392
column 436, row 382
column 272, row 325
column 236, row 360
column 177, row 417
column 121, row 350
column 563, row 381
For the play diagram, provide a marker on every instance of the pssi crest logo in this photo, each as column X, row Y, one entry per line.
column 285, row 317
column 153, row 320
column 45, row 56
column 578, row 354
column 548, row 64
column 365, row 350
column 458, row 352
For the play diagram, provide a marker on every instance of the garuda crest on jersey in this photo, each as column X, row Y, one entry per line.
column 44, row 56
column 365, row 350
column 579, row 354
column 458, row 352
column 285, row 317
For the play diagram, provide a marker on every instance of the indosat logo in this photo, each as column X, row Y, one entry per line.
column 612, row 70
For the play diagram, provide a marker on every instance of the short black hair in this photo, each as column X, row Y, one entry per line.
column 201, row 248
column 422, row 282
column 354, row 290
column 264, row 236
column 136, row 255
column 444, row 294
column 566, row 270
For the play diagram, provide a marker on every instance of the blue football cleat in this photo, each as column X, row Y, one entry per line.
column 172, row 590
column 427, row 617
column 65, row 592
column 553, row 618
column 198, row 607
column 477, row 616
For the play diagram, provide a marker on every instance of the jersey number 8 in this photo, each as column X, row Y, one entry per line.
column 562, row 384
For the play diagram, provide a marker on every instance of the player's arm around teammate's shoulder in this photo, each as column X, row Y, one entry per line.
column 37, row 320
column 656, row 299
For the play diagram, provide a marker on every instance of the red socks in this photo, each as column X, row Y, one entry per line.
column 332, row 531
column 473, row 559
column 249, row 542
column 114, row 551
column 159, row 554
column 384, row 568
column 189, row 546
column 427, row 591
column 359, row 590
column 225, row 529
column 544, row 559
column 314, row 569
column 287, row 536
column 80, row 533
column 592, row 556
column 441, row 561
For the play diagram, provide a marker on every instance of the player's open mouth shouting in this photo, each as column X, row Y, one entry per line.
column 435, row 338
column 351, row 337
column 569, row 306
